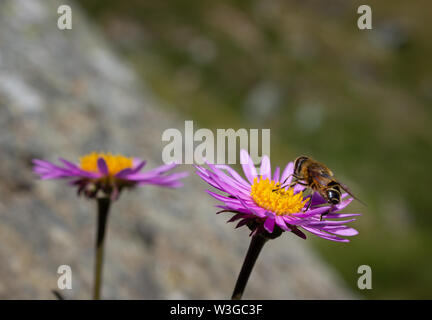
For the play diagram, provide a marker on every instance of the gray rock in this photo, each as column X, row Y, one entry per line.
column 66, row 93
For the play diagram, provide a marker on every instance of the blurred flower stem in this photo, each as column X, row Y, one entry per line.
column 103, row 210
column 254, row 250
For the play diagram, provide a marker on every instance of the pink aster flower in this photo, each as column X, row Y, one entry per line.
column 102, row 176
column 104, row 173
column 268, row 210
column 257, row 205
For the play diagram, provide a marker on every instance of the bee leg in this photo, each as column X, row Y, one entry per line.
column 291, row 185
column 298, row 182
column 309, row 204
column 284, row 186
column 323, row 214
column 283, row 183
column 287, row 178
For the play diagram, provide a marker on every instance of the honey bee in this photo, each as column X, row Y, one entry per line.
column 317, row 177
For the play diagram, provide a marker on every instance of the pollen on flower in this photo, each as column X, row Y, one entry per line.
column 281, row 202
column 115, row 163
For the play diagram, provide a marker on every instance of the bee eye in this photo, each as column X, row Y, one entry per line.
column 333, row 196
column 298, row 164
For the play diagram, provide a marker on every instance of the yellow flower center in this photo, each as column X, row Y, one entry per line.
column 280, row 201
column 115, row 163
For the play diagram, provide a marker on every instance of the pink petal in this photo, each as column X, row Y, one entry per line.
column 281, row 223
column 276, row 174
column 287, row 171
column 248, row 166
column 234, row 174
column 102, row 166
column 265, row 169
column 269, row 224
column 342, row 231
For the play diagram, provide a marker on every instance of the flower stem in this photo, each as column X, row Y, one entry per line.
column 103, row 210
column 254, row 250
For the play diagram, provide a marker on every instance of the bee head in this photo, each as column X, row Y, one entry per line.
column 298, row 164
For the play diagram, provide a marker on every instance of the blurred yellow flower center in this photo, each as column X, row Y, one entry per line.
column 281, row 201
column 115, row 163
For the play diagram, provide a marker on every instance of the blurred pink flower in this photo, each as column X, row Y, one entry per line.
column 107, row 173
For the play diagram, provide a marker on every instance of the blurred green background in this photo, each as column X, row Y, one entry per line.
column 359, row 101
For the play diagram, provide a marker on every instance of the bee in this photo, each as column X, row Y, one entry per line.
column 317, row 177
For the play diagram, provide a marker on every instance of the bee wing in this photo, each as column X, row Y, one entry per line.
column 320, row 175
column 345, row 188
column 323, row 179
